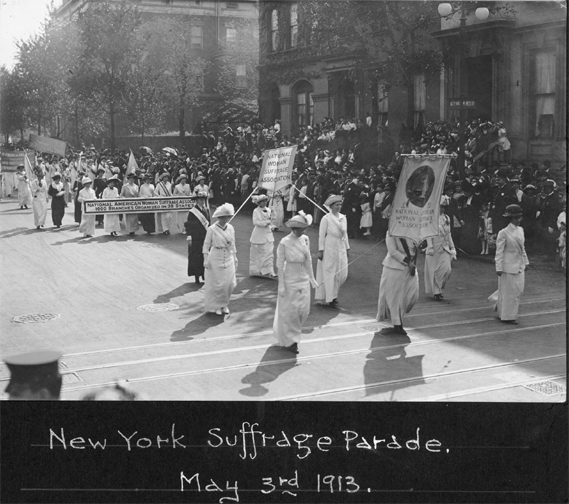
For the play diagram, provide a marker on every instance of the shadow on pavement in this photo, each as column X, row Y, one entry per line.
column 177, row 292
column 197, row 326
column 388, row 362
column 274, row 363
column 18, row 231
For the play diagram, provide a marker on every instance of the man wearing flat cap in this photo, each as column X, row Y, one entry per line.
column 34, row 376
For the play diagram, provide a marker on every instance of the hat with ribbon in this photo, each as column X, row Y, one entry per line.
column 300, row 220
column 225, row 210
column 258, row 198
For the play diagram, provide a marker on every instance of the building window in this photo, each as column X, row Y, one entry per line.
column 544, row 94
column 196, row 36
column 382, row 106
column 232, row 5
column 274, row 29
column 304, row 104
column 241, row 76
column 420, row 99
column 230, row 35
column 293, row 25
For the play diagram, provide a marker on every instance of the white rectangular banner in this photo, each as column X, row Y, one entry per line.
column 276, row 171
column 416, row 203
column 47, row 144
column 138, row 205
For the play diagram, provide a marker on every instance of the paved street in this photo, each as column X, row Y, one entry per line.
column 457, row 350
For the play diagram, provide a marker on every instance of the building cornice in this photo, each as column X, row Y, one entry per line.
column 503, row 24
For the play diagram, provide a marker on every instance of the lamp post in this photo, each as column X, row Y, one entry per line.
column 482, row 13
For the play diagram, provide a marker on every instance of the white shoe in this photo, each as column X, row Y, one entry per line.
column 225, row 310
column 218, row 312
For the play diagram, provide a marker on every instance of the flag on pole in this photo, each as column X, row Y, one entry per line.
column 28, row 168
column 131, row 166
column 416, row 204
column 276, row 170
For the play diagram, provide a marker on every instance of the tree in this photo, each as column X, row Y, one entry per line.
column 237, row 77
column 12, row 105
column 168, row 45
column 107, row 33
column 391, row 37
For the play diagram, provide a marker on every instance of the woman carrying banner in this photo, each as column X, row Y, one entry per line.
column 261, row 258
column 220, row 261
column 130, row 190
column 196, row 228
column 112, row 221
column 40, row 199
column 163, row 189
column 439, row 254
column 294, row 264
column 147, row 219
column 333, row 251
column 58, row 204
column 511, row 261
column 87, row 226
column 399, row 285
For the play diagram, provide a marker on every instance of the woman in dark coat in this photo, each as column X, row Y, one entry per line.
column 196, row 226
column 58, row 204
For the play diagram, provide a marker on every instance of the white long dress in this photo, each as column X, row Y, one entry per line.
column 39, row 202
column 112, row 221
column 130, row 219
column 261, row 257
column 439, row 254
column 87, row 225
column 332, row 270
column 294, row 263
column 24, row 193
column 179, row 218
column 219, row 276
column 277, row 209
column 398, row 288
column 511, row 259
column 163, row 219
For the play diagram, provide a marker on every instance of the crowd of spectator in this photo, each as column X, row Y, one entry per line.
column 334, row 157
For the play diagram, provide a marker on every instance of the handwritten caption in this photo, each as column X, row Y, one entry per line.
column 247, row 443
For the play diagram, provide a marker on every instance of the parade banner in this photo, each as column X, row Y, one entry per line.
column 276, row 170
column 416, row 204
column 138, row 205
column 46, row 144
column 11, row 159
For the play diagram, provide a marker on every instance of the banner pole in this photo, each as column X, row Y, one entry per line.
column 243, row 204
column 312, row 201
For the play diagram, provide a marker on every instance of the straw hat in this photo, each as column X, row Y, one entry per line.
column 258, row 198
column 225, row 210
column 333, row 198
column 513, row 211
column 201, row 194
column 300, row 220
column 86, row 180
column 114, row 178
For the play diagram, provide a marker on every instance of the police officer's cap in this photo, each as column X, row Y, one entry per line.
column 33, row 367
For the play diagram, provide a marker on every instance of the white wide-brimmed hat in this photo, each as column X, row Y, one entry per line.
column 300, row 220
column 333, row 198
column 225, row 210
column 259, row 197
column 201, row 194
column 86, row 180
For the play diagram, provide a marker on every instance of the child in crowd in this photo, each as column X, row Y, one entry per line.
column 484, row 229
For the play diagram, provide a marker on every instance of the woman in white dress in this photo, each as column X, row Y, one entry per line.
column 220, row 261
column 511, row 261
column 261, row 257
column 87, row 225
column 294, row 263
column 399, row 284
column 40, row 199
column 112, row 221
column 130, row 190
column 439, row 254
column 333, row 252
column 24, row 192
column 163, row 189
column 181, row 189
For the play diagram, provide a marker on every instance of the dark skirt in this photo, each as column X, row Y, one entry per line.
column 195, row 259
column 148, row 222
column 57, row 209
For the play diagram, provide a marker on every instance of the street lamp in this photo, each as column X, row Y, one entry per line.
column 481, row 13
